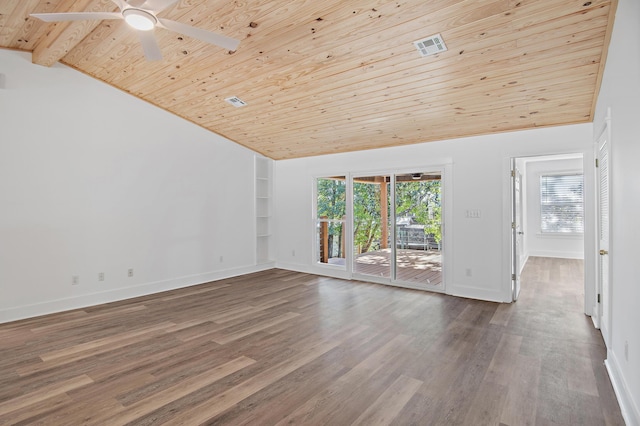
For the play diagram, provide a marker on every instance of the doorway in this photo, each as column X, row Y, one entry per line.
column 547, row 211
column 372, row 253
column 398, row 230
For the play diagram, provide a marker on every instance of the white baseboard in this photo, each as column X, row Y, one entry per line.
column 558, row 254
column 324, row 270
column 628, row 406
column 459, row 290
column 596, row 322
column 113, row 295
column 526, row 259
column 476, row 293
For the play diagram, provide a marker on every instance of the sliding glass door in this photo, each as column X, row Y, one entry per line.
column 372, row 253
column 397, row 228
column 418, row 231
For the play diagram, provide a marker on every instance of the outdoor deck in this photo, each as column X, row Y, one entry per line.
column 414, row 266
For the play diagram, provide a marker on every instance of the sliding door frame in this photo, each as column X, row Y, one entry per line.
column 446, row 218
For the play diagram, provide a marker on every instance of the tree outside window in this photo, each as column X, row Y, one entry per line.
column 561, row 203
column 330, row 219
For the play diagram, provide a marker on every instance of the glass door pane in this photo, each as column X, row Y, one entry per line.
column 418, row 213
column 371, row 226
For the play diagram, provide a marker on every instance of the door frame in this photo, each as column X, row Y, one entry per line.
column 517, row 228
column 447, row 218
column 590, row 235
column 603, row 136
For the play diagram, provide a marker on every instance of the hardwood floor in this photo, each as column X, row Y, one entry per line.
column 281, row 347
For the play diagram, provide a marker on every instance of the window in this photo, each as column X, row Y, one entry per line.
column 561, row 203
column 330, row 220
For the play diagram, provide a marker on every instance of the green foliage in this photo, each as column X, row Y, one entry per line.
column 421, row 200
column 366, row 215
column 332, row 205
column 331, row 198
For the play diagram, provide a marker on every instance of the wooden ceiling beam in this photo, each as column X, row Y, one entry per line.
column 62, row 37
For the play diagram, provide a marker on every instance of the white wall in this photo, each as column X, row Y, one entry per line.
column 480, row 179
column 621, row 92
column 94, row 180
column 537, row 243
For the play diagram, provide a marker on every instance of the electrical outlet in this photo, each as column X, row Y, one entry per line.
column 75, row 280
column 221, row 259
column 293, row 253
column 101, row 276
column 468, row 272
column 130, row 272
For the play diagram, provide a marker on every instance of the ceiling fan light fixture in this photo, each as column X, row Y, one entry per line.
column 139, row 19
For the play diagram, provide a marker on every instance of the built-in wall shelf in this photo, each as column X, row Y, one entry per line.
column 264, row 202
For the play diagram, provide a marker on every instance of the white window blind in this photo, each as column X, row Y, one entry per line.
column 561, row 203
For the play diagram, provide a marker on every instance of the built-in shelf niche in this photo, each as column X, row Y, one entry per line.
column 264, row 200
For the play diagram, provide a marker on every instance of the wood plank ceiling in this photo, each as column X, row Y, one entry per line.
column 331, row 76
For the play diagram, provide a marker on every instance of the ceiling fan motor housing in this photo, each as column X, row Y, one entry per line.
column 139, row 19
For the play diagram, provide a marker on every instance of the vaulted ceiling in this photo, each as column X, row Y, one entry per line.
column 333, row 76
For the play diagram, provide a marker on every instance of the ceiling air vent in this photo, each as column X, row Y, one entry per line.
column 236, row 101
column 430, row 45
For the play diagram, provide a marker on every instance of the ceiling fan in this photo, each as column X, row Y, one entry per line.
column 142, row 16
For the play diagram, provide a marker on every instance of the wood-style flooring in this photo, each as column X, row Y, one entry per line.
column 281, row 347
column 416, row 267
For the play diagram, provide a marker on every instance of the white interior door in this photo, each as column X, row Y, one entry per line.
column 603, row 298
column 517, row 229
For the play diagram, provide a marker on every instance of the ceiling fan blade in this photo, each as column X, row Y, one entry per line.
column 150, row 45
column 119, row 3
column 76, row 16
column 204, row 35
column 134, row 3
column 157, row 6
